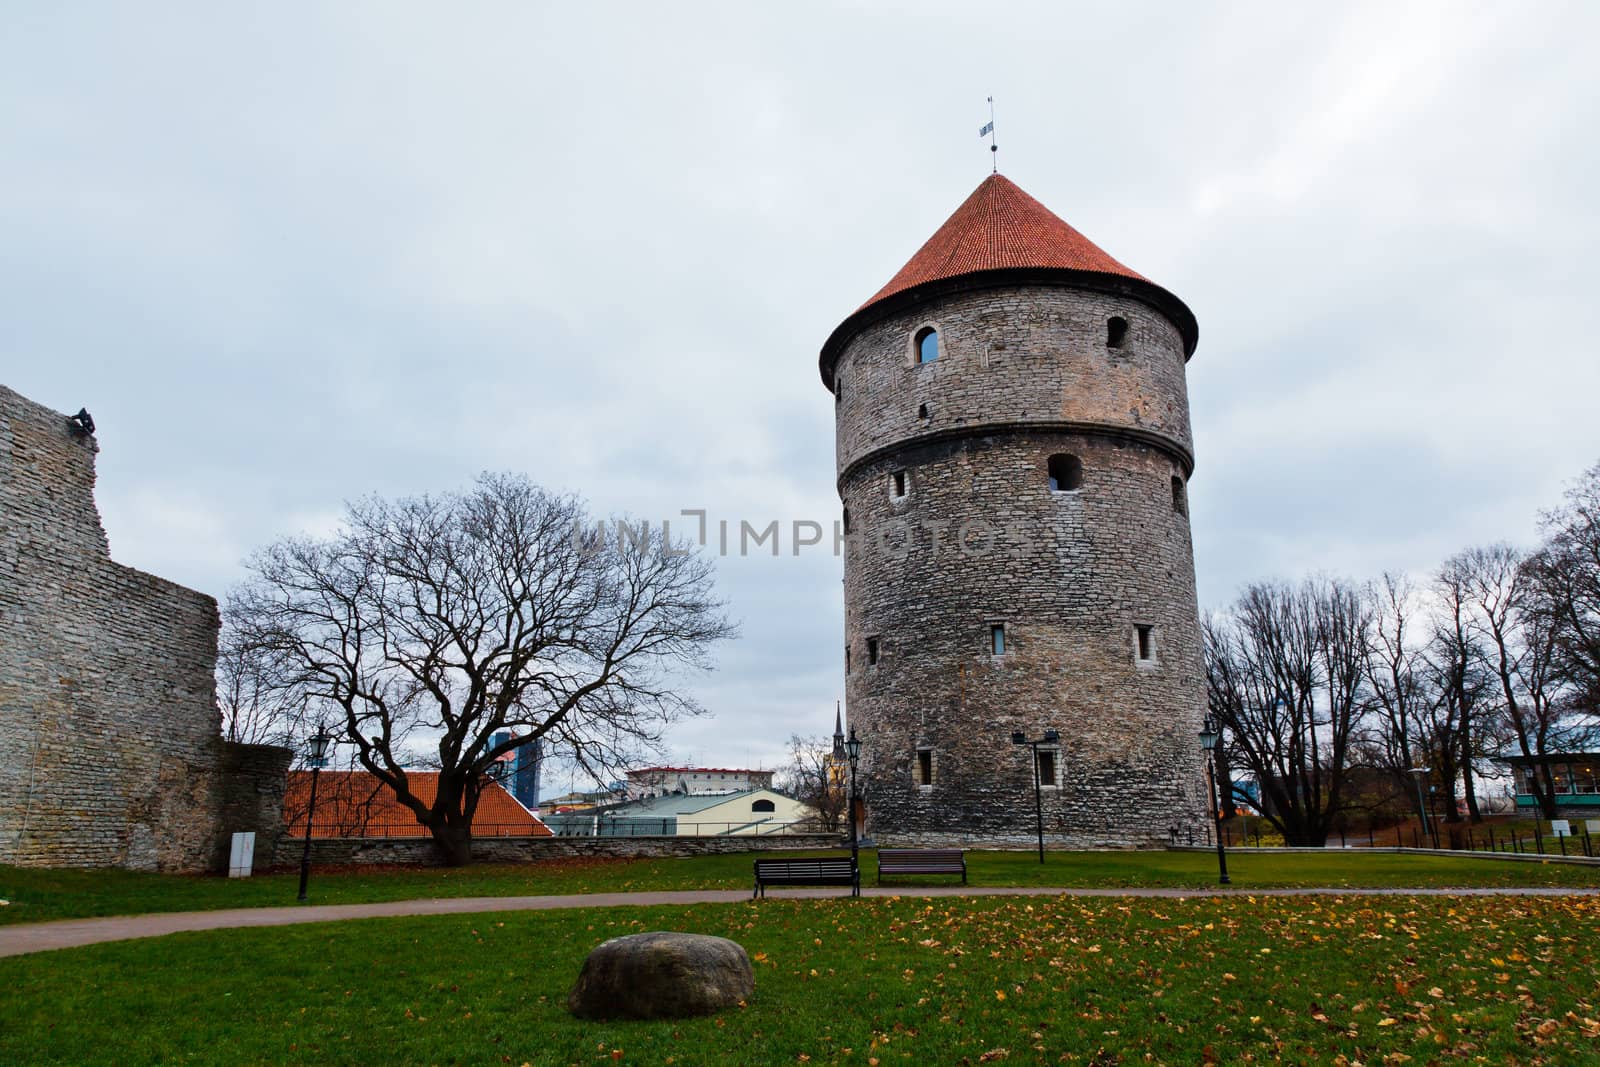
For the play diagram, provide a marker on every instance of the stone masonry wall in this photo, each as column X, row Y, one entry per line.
column 1012, row 355
column 1023, row 374
column 422, row 852
column 109, row 745
column 254, row 778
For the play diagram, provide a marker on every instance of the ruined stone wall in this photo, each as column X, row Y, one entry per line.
column 1023, row 374
column 109, row 745
column 255, row 778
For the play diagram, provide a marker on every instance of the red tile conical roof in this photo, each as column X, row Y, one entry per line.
column 996, row 229
column 1002, row 231
column 1001, row 227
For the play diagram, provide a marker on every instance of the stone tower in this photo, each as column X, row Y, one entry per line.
column 1013, row 455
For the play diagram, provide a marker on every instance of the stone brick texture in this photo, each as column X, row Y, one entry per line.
column 110, row 750
column 414, row 851
column 979, row 539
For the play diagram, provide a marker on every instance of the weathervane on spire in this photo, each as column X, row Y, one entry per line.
column 988, row 131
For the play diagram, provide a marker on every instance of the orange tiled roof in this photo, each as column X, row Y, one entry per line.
column 356, row 804
column 1000, row 227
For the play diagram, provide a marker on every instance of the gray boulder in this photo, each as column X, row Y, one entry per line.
column 662, row 975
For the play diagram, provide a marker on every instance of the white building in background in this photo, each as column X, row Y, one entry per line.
column 694, row 781
column 751, row 812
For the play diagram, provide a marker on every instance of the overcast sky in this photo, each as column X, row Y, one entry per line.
column 292, row 254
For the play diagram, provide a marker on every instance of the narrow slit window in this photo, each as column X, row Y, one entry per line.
column 1047, row 768
column 1116, row 331
column 847, row 659
column 1066, row 473
column 1147, row 642
column 997, row 639
column 897, row 483
column 846, row 520
column 1179, row 503
column 872, row 651
column 927, row 345
column 924, row 766
column 922, row 411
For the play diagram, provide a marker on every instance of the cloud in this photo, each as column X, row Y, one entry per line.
column 289, row 257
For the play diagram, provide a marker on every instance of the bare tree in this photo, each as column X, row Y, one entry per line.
column 1462, row 689
column 1399, row 678
column 430, row 624
column 255, row 709
column 815, row 778
column 1566, row 574
column 1516, row 639
column 1286, row 676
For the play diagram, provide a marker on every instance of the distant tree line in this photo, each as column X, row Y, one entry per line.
column 1327, row 688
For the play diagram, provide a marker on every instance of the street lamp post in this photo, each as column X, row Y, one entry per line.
column 1210, row 734
column 835, row 764
column 317, row 751
column 1422, row 804
column 1050, row 738
column 853, row 747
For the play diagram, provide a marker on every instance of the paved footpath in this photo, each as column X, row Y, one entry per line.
column 70, row 933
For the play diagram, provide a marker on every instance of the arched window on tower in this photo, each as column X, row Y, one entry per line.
column 1179, row 502
column 927, row 344
column 1066, row 473
column 1116, row 331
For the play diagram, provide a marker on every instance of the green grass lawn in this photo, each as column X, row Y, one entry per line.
column 37, row 895
column 870, row 982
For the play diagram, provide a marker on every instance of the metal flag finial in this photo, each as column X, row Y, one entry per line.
column 988, row 131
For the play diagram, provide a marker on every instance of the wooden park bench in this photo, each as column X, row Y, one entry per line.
column 840, row 871
column 922, row 861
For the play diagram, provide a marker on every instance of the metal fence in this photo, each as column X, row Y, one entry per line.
column 589, row 824
column 1527, row 838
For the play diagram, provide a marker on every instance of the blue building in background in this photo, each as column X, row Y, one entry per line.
column 521, row 778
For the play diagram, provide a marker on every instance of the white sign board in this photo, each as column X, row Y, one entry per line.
column 242, row 856
column 1561, row 827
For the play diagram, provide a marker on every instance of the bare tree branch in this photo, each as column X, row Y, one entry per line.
column 444, row 621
